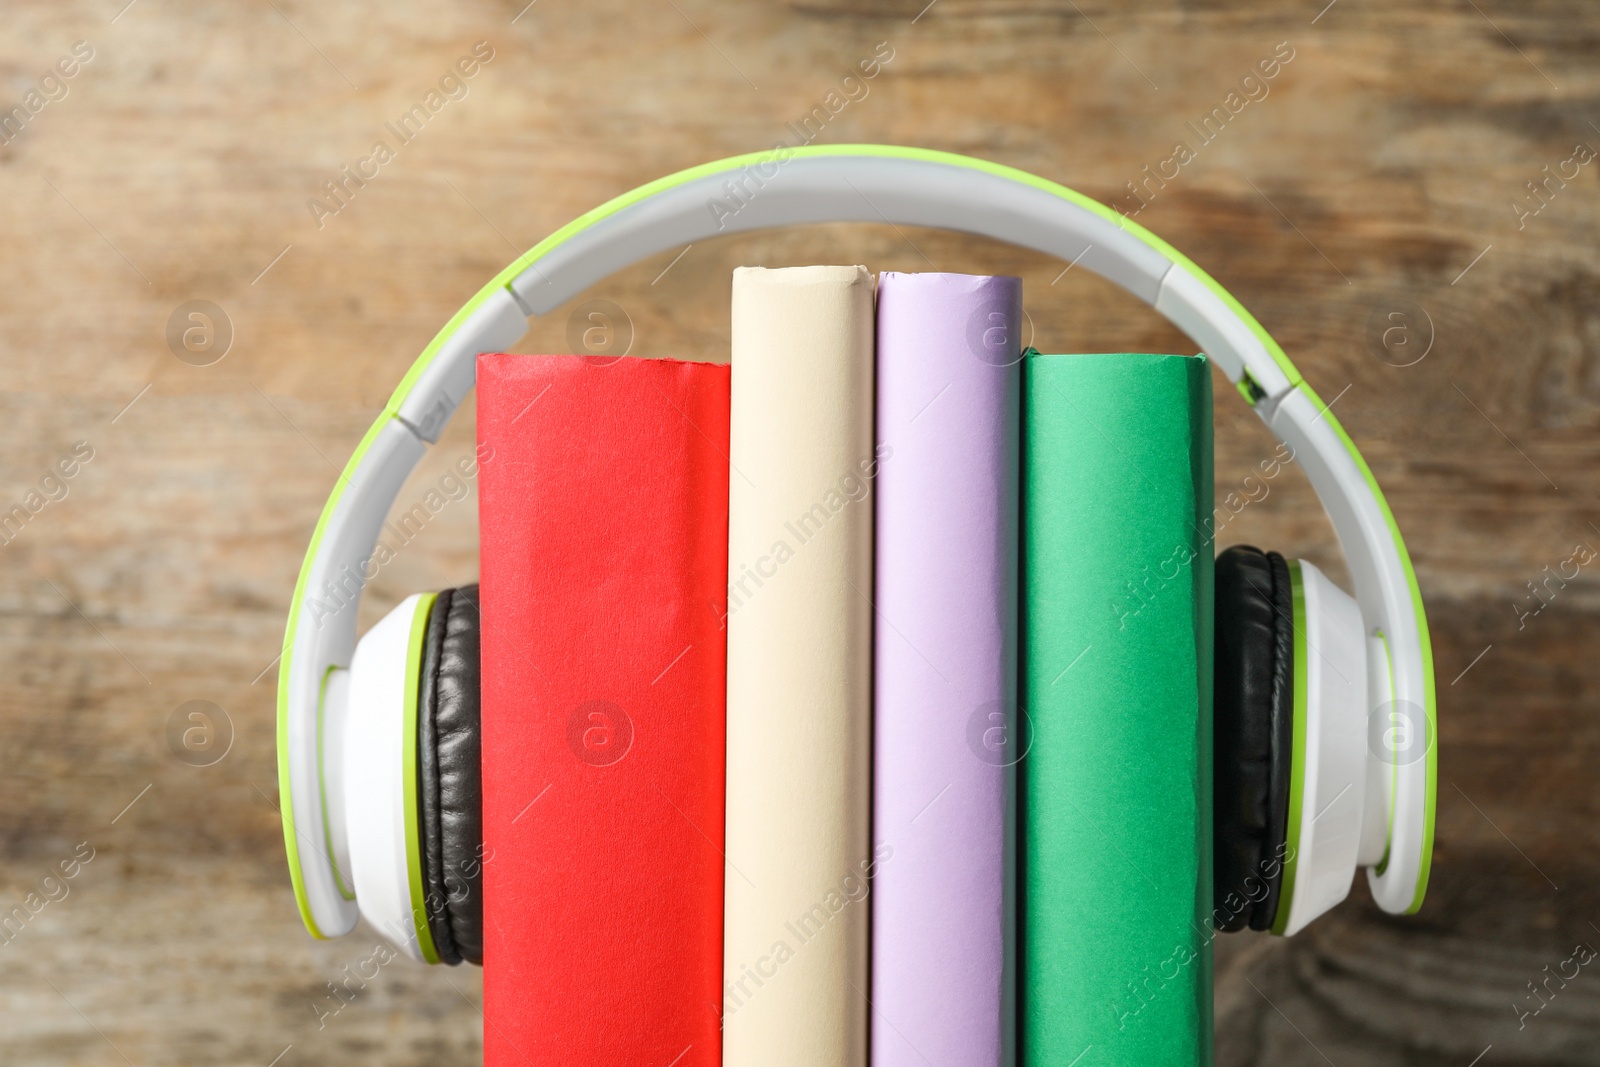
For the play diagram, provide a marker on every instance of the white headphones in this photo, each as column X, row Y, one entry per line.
column 1355, row 706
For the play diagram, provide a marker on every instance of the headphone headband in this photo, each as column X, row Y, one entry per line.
column 837, row 183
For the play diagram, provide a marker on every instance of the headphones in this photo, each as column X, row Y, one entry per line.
column 1324, row 703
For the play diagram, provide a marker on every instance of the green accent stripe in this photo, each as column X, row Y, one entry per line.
column 1297, row 774
column 1423, row 639
column 408, row 771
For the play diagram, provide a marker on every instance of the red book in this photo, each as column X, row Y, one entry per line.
column 603, row 505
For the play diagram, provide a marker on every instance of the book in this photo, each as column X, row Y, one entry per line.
column 1116, row 783
column 945, row 674
column 799, row 625
column 603, row 515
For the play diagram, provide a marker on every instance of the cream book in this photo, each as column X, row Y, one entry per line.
column 799, row 620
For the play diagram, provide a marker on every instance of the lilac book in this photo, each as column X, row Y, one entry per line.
column 946, row 739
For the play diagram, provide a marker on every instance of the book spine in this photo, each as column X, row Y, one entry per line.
column 602, row 503
column 945, row 673
column 1117, row 830
column 799, row 668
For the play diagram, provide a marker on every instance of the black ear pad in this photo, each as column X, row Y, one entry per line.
column 449, row 780
column 1253, row 743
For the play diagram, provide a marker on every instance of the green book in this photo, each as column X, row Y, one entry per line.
column 1116, row 822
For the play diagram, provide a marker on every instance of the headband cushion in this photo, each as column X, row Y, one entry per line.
column 1253, row 710
column 449, row 779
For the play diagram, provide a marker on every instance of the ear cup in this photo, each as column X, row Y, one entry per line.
column 379, row 748
column 1253, row 742
column 449, row 786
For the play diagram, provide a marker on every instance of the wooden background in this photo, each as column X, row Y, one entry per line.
column 1379, row 175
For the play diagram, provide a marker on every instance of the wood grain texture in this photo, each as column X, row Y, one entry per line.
column 1378, row 175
